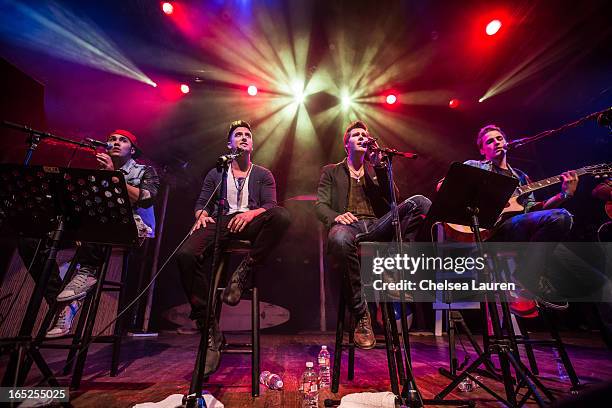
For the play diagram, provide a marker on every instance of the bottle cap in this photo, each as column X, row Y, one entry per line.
column 309, row 364
column 324, row 347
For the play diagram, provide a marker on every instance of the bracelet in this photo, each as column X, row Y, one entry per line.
column 564, row 195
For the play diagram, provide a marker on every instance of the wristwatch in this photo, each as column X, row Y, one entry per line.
column 565, row 195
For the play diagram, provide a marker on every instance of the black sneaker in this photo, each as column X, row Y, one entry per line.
column 548, row 297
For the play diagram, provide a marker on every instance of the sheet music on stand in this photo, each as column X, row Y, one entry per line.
column 466, row 187
column 61, row 204
column 94, row 203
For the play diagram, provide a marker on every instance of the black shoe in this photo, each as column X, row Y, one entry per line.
column 216, row 341
column 233, row 289
column 545, row 294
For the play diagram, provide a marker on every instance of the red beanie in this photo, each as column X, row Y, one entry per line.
column 132, row 139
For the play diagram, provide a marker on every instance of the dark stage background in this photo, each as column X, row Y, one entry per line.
column 550, row 64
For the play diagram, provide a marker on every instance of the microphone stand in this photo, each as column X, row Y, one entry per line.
column 401, row 365
column 194, row 398
column 37, row 136
column 526, row 140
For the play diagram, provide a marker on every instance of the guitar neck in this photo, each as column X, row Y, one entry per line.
column 528, row 188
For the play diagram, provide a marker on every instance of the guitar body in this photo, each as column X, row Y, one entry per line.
column 463, row 233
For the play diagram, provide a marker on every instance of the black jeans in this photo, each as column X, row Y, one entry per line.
column 264, row 232
column 342, row 247
column 90, row 255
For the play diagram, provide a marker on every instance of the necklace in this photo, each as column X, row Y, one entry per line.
column 356, row 174
column 239, row 182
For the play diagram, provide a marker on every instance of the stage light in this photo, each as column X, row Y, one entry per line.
column 391, row 99
column 482, row 99
column 167, row 8
column 185, row 88
column 453, row 103
column 252, row 90
column 493, row 27
column 345, row 100
column 154, row 84
column 298, row 91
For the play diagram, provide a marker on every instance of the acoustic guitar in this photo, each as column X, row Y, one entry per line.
column 513, row 207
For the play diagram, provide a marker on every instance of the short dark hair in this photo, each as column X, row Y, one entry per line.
column 236, row 124
column 488, row 128
column 357, row 124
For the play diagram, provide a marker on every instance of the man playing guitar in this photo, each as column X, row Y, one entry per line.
column 540, row 221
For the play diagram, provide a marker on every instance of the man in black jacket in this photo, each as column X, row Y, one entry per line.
column 251, row 213
column 353, row 202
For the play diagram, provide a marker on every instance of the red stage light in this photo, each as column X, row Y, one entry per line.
column 167, row 8
column 391, row 99
column 493, row 27
column 453, row 103
column 252, row 90
column 185, row 88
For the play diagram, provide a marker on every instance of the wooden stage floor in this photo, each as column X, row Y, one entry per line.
column 153, row 368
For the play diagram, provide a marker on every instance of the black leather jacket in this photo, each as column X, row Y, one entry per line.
column 333, row 190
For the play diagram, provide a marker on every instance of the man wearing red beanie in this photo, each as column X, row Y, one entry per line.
column 142, row 184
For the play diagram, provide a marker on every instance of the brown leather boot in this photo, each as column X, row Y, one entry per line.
column 364, row 335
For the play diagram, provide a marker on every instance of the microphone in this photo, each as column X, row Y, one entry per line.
column 229, row 157
column 98, row 143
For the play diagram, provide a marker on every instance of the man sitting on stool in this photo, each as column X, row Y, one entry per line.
column 353, row 202
column 251, row 213
column 142, row 184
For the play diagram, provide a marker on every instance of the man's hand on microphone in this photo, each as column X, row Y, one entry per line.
column 105, row 161
column 373, row 154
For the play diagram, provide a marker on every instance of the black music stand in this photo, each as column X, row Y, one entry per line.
column 61, row 204
column 398, row 354
column 476, row 197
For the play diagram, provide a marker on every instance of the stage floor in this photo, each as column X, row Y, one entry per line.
column 153, row 368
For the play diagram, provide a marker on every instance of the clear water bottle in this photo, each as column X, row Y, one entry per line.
column 270, row 380
column 310, row 387
column 467, row 385
column 560, row 366
column 324, row 371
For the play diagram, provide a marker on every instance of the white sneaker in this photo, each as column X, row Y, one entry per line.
column 64, row 320
column 78, row 287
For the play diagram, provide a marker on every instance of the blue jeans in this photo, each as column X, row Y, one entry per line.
column 342, row 245
column 537, row 226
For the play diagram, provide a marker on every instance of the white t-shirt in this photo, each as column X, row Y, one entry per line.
column 238, row 192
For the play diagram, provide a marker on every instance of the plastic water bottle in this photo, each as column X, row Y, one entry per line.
column 560, row 366
column 467, row 385
column 270, row 380
column 310, row 387
column 324, row 374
